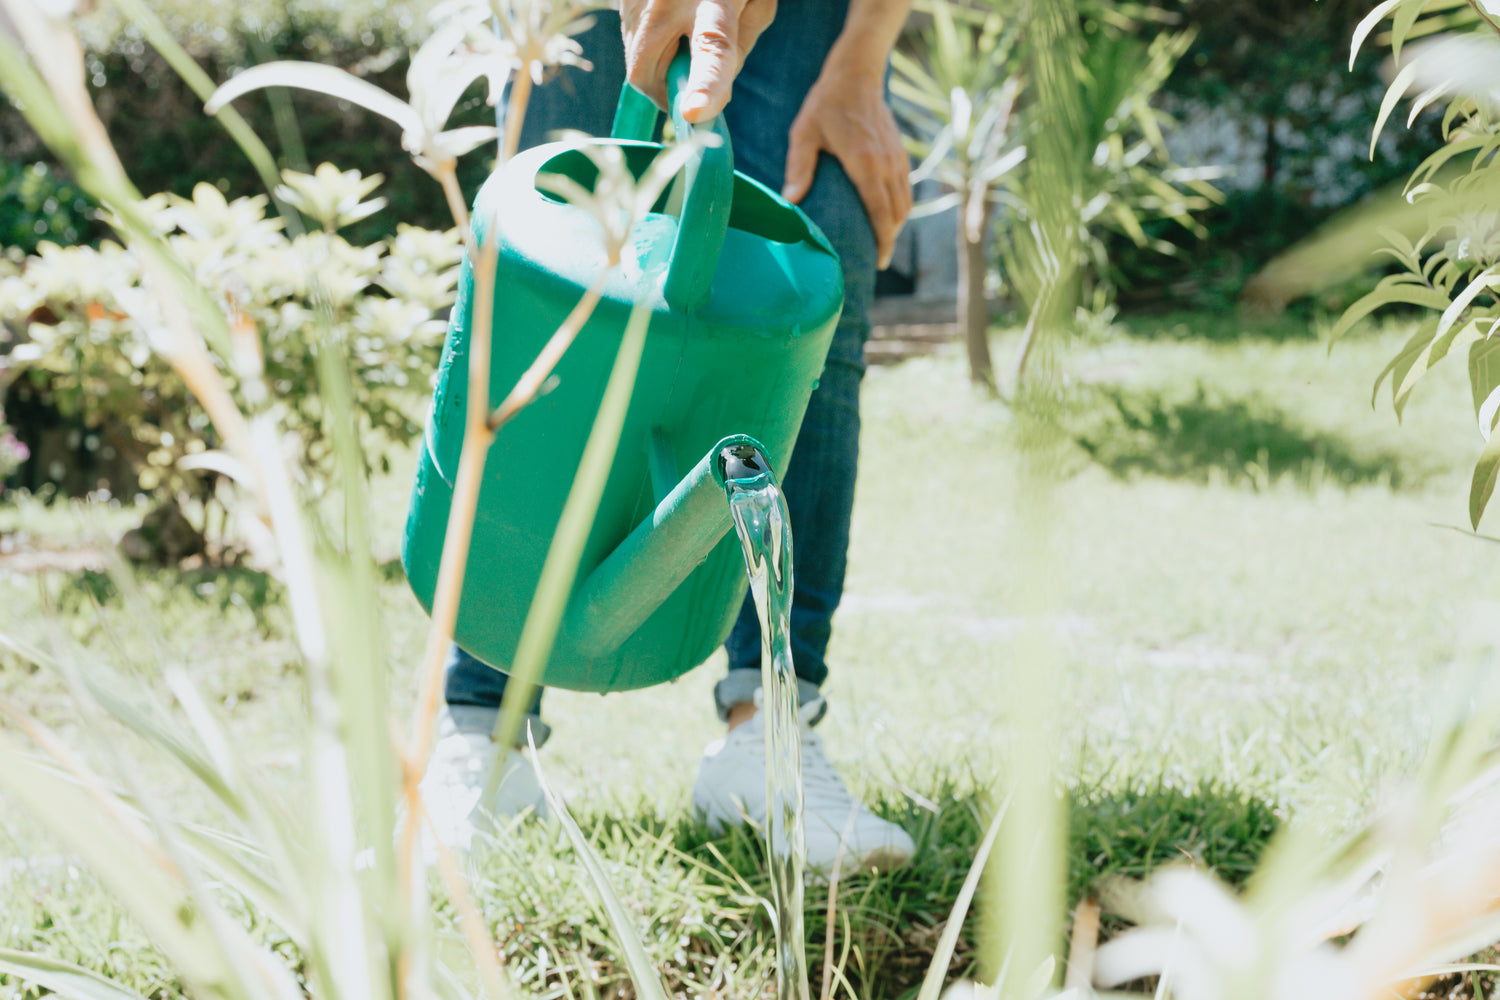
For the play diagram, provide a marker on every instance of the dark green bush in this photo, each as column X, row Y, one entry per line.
column 1274, row 76
column 169, row 145
column 37, row 203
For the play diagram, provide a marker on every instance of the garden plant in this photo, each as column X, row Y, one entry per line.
column 319, row 891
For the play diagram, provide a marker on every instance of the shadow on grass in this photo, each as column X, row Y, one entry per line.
column 1205, row 437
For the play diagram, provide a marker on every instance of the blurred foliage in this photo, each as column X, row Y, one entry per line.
column 94, row 359
column 1451, row 270
column 1006, row 114
column 36, row 204
column 158, row 125
column 12, row 451
column 1125, row 175
column 1265, row 87
column 959, row 102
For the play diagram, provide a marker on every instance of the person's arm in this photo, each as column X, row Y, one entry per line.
column 845, row 114
column 720, row 33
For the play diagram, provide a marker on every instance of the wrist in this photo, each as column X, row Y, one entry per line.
column 864, row 46
column 854, row 62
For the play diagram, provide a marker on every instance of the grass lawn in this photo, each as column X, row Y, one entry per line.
column 1264, row 605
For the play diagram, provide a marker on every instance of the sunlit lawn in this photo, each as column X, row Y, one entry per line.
column 1262, row 588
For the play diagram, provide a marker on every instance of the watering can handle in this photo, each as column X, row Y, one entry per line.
column 710, row 188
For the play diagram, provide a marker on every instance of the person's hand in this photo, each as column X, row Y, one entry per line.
column 845, row 114
column 720, row 34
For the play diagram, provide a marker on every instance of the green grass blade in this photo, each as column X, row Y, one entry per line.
column 643, row 974
column 63, row 978
column 118, row 850
column 932, row 983
column 144, row 18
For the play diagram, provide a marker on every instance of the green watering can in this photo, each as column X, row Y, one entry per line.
column 741, row 318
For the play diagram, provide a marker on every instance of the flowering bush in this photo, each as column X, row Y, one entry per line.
column 94, row 327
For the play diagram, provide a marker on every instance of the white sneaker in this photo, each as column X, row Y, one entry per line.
column 731, row 788
column 465, row 764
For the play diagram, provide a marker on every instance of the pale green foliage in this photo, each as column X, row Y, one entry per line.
column 1112, row 141
column 1452, row 269
column 94, row 326
column 960, row 101
column 331, row 197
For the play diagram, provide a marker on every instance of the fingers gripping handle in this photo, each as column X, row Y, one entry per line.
column 710, row 188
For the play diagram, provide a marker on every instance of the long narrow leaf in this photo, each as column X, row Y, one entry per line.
column 116, row 852
column 1483, row 484
column 932, row 982
column 643, row 974
column 1367, row 25
column 1393, row 94
column 1390, row 291
column 1483, row 282
column 328, row 80
column 63, row 978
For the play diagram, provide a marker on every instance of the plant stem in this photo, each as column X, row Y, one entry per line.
column 529, row 385
column 455, row 557
column 448, row 176
column 515, row 113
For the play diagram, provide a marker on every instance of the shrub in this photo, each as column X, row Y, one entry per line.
column 37, row 204
column 158, row 125
column 91, row 325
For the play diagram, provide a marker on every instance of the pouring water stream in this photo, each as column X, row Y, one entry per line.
column 760, row 518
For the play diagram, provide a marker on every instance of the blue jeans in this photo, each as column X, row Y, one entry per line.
column 819, row 479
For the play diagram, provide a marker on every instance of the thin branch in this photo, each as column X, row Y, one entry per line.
column 520, row 96
column 455, row 556
column 529, row 386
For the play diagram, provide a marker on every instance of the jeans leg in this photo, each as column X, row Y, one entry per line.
column 819, row 480
column 473, row 690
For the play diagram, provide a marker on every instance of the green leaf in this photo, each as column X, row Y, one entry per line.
column 1367, row 25
column 323, row 79
column 1484, row 371
column 1401, row 23
column 119, row 851
column 1483, row 485
column 1393, row 94
column 643, row 974
column 64, row 979
column 1438, row 348
column 1403, row 359
column 1482, row 283
column 1398, row 288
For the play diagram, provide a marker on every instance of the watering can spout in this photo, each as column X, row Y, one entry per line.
column 662, row 551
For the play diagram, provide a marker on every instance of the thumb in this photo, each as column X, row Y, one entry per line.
column 715, row 55
column 801, row 162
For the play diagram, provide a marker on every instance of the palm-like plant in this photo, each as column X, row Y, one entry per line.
column 1099, row 161
column 961, row 104
column 1018, row 105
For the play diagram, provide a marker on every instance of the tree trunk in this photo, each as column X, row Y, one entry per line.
column 973, row 313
